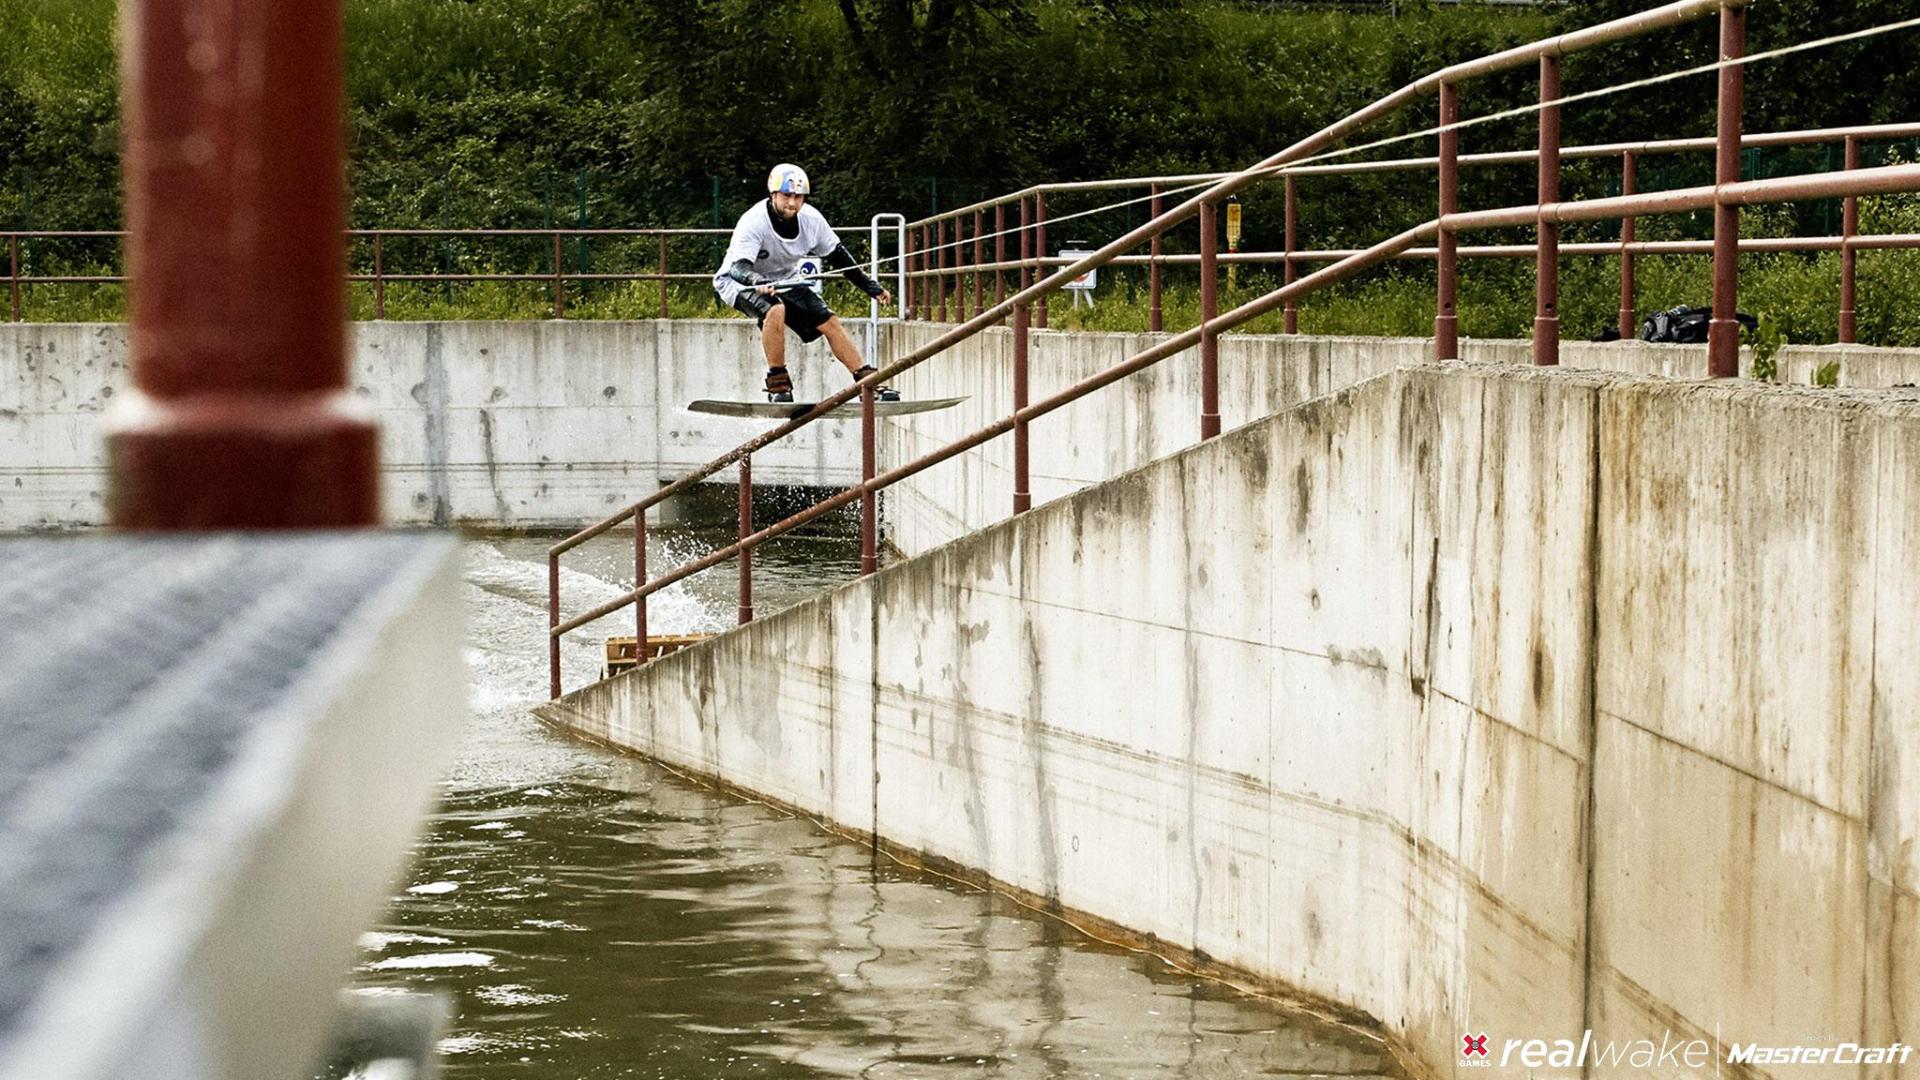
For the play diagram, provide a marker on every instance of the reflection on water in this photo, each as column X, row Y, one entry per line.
column 595, row 916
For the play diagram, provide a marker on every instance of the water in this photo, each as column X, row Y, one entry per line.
column 595, row 916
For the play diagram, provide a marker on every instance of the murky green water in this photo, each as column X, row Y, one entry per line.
column 594, row 916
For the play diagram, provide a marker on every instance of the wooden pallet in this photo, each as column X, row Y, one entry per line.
column 623, row 653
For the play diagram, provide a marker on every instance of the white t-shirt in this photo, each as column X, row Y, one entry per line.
column 774, row 257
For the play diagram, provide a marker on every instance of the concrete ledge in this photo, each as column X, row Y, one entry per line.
column 1471, row 698
column 217, row 751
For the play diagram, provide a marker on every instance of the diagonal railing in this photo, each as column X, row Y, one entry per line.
column 1726, row 196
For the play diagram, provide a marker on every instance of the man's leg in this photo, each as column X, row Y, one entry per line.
column 844, row 350
column 773, row 336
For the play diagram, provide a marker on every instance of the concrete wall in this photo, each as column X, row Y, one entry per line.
column 1157, row 412
column 534, row 423
column 1474, row 698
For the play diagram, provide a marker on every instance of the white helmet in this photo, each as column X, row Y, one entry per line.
column 791, row 179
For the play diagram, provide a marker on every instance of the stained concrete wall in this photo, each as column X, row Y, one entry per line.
column 1473, row 698
column 1157, row 412
column 506, row 424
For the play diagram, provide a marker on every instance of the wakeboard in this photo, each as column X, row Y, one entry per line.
column 788, row 410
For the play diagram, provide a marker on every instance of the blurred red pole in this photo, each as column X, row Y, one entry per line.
column 235, row 152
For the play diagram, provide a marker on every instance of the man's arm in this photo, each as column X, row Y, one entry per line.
column 842, row 260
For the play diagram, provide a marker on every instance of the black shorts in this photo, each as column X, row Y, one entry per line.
column 806, row 311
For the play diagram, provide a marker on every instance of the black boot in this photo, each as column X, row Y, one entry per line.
column 779, row 385
column 880, row 393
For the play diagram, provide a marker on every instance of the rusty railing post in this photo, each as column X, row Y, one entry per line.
column 959, row 269
column 927, row 283
column 1629, row 227
column 663, row 276
column 1546, row 312
column 240, row 414
column 1155, row 320
column 379, row 280
column 1290, row 313
column 1209, row 310
column 746, row 530
column 559, row 269
column 640, row 579
column 979, row 256
column 13, row 267
column 1446, row 318
column 1040, row 253
column 1723, row 331
column 941, row 252
column 869, row 498
column 553, row 620
column 1022, row 494
column 1849, row 228
column 999, row 253
column 908, row 260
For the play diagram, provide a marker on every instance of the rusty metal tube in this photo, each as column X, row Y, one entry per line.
column 639, row 577
column 1154, row 313
column 1629, row 184
column 1849, row 259
column 1040, row 250
column 663, row 280
column 979, row 257
column 1209, row 310
column 941, row 251
column 1546, row 314
column 553, row 624
column 235, row 166
column 869, row 498
column 1290, row 314
column 746, row 530
column 1446, row 318
column 1022, row 493
column 1723, row 330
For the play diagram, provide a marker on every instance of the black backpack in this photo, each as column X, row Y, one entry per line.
column 1686, row 325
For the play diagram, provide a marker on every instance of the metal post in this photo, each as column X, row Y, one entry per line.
column 1446, row 318
column 926, row 264
column 553, row 620
column 13, row 263
column 240, row 416
column 979, row 256
column 1629, row 227
column 1154, row 315
column 1723, row 331
column 1290, row 314
column 869, row 498
column 999, row 253
column 639, row 579
column 1849, row 227
column 1209, row 310
column 1546, row 312
column 379, row 282
column 1022, row 496
column 746, row 530
column 559, row 291
column 940, row 273
column 908, row 259
column 1040, row 252
column 663, row 275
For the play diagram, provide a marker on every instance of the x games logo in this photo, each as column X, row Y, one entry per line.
column 1474, row 1051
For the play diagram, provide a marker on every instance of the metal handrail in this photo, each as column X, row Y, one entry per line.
column 1445, row 225
column 558, row 276
column 1749, row 141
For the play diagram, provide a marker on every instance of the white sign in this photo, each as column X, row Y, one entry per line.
column 1085, row 281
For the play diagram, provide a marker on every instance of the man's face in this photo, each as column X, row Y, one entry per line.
column 787, row 204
